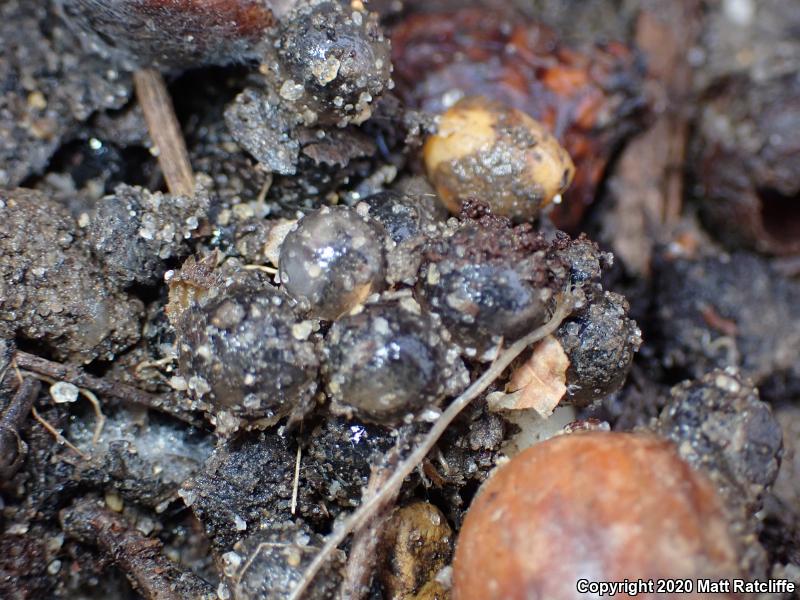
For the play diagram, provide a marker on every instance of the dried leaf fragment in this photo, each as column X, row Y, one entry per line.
column 539, row 383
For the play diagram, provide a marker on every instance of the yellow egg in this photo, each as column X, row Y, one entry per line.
column 487, row 151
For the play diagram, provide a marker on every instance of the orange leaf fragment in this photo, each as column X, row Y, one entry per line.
column 540, row 383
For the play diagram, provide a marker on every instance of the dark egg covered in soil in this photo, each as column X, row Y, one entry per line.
column 599, row 341
column 390, row 360
column 245, row 351
column 333, row 62
column 490, row 281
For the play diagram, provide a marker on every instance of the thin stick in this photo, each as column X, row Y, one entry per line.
column 362, row 555
column 110, row 389
column 100, row 418
column 296, row 484
column 4, row 372
column 262, row 195
column 165, row 131
column 17, row 410
column 140, row 558
column 11, row 421
column 264, row 268
column 364, row 512
column 20, row 378
column 56, row 433
column 154, row 364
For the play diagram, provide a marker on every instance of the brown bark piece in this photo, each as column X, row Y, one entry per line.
column 165, row 131
column 648, row 184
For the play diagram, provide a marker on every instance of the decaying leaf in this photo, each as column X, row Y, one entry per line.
column 539, row 383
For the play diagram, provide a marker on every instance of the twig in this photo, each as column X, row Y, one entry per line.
column 165, row 131
column 12, row 448
column 141, row 558
column 262, row 194
column 263, row 268
column 4, row 372
column 20, row 405
column 111, row 389
column 20, row 378
column 296, row 483
column 100, row 418
column 154, row 364
column 368, row 507
column 76, row 376
column 56, row 433
column 361, row 558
